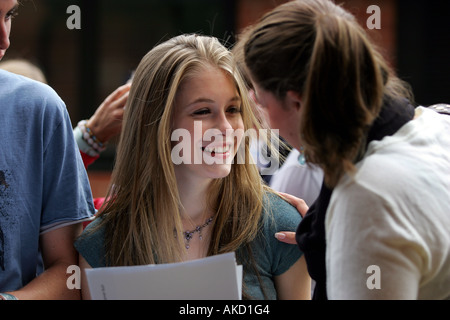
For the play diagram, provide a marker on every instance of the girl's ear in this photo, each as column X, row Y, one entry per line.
column 293, row 100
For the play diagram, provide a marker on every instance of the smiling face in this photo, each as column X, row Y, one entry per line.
column 8, row 9
column 208, row 107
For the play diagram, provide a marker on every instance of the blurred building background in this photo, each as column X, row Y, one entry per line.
column 85, row 65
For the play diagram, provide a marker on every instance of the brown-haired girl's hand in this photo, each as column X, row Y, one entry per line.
column 302, row 208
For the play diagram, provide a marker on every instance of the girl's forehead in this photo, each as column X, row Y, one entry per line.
column 207, row 80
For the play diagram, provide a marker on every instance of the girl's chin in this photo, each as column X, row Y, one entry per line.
column 218, row 171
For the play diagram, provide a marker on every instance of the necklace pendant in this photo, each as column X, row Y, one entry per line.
column 188, row 235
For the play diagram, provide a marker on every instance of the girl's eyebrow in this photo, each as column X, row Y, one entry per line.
column 207, row 100
column 236, row 98
column 199, row 100
column 15, row 8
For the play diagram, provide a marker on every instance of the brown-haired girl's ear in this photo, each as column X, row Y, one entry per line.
column 293, row 99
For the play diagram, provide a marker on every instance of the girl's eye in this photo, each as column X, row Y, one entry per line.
column 201, row 112
column 234, row 109
column 12, row 14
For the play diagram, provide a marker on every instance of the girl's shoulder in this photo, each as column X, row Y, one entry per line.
column 270, row 254
column 91, row 243
column 279, row 212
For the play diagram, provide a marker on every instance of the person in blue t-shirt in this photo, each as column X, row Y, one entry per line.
column 44, row 188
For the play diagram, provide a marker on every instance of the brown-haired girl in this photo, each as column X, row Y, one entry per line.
column 384, row 209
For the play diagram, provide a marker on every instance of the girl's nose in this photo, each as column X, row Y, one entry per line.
column 223, row 124
column 4, row 36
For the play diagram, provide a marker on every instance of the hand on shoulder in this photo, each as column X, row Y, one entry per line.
column 302, row 208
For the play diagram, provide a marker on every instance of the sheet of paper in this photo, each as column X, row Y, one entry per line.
column 212, row 278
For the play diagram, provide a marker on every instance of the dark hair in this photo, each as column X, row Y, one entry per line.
column 319, row 50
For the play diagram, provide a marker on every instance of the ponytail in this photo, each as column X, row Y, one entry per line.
column 342, row 96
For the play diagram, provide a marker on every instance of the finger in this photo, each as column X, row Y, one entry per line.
column 120, row 102
column 118, row 92
column 286, row 237
column 125, row 88
column 298, row 203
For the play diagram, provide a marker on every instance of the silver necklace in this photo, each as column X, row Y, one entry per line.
column 188, row 235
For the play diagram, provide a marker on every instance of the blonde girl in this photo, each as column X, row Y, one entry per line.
column 166, row 206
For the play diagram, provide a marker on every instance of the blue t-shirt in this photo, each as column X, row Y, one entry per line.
column 271, row 256
column 43, row 183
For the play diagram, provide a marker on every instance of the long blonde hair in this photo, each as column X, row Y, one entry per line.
column 318, row 49
column 142, row 217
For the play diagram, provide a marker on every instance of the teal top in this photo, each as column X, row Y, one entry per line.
column 271, row 256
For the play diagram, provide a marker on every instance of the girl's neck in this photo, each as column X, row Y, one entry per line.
column 194, row 213
column 193, row 196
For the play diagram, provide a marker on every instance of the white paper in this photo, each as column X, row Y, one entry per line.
column 212, row 278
